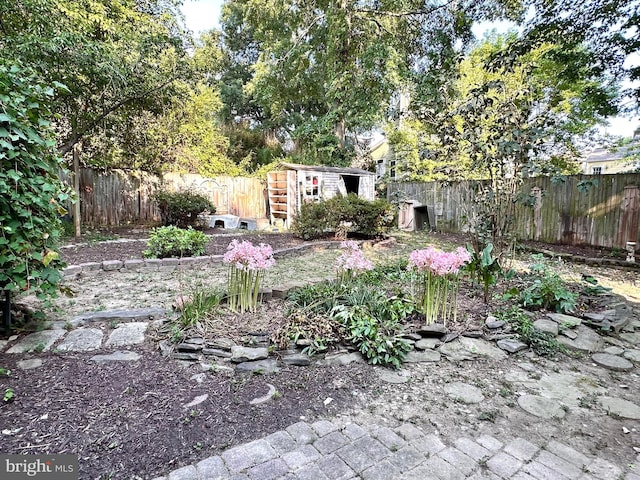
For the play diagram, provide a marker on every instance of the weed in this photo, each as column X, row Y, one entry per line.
column 505, row 392
column 488, row 416
column 198, row 446
column 9, row 395
column 542, row 343
column 4, row 372
column 277, row 394
column 39, row 348
column 201, row 303
column 547, row 290
column 114, row 324
column 68, row 325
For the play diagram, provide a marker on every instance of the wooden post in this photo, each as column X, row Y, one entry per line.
column 76, row 188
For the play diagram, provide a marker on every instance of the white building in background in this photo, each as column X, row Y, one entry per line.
column 618, row 160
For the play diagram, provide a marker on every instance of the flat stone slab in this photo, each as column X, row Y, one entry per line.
column 633, row 338
column 511, row 345
column 633, row 355
column 42, row 341
column 541, row 407
column 614, row 350
column 546, row 326
column 481, row 348
column 586, row 341
column 566, row 321
column 81, row 340
column 612, row 362
column 464, row 392
column 621, row 408
column 138, row 315
column 427, row 344
column 342, row 359
column 297, row 359
column 118, row 356
column 245, row 354
column 127, row 334
column 30, row 364
column 422, row 356
column 432, row 330
column 389, row 376
column 261, row 366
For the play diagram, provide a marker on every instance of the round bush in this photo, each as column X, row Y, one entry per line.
column 173, row 241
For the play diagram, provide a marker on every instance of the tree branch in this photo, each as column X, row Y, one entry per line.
column 77, row 135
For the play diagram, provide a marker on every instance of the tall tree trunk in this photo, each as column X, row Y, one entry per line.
column 76, row 189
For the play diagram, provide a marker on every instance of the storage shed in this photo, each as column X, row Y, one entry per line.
column 295, row 185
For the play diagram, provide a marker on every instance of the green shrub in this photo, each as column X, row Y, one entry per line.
column 547, row 290
column 175, row 242
column 343, row 215
column 31, row 194
column 181, row 208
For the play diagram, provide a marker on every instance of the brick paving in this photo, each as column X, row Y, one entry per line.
column 327, row 450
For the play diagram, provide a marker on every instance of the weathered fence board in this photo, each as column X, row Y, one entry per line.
column 604, row 214
column 117, row 197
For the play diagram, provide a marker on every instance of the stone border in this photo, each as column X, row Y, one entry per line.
column 155, row 264
column 596, row 262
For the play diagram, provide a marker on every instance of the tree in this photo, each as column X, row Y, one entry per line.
column 114, row 56
column 530, row 111
column 31, row 195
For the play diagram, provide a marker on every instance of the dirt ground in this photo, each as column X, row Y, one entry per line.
column 128, row 420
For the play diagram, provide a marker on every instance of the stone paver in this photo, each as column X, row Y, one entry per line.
column 81, row 340
column 127, row 334
column 37, row 342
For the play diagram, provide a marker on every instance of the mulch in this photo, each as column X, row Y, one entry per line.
column 128, row 420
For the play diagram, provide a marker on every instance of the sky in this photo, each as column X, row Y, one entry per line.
column 202, row 15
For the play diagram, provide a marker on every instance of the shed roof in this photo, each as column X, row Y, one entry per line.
column 323, row 168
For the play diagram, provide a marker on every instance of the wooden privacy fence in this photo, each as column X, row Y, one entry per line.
column 116, row 197
column 600, row 210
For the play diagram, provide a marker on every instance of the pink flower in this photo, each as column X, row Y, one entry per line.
column 437, row 261
column 249, row 257
column 352, row 259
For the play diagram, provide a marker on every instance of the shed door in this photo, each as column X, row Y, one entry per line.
column 351, row 184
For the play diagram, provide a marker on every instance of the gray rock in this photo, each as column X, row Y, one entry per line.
column 450, row 337
column 3, row 343
column 90, row 266
column 222, row 343
column 541, row 407
column 246, row 354
column 472, row 333
column 422, row 356
column 190, row 357
column 196, row 401
column 586, row 341
column 41, row 341
column 633, row 355
column 111, row 265
column 29, row 364
column 547, row 326
column 198, row 377
column 127, row 334
column 612, row 362
column 569, row 334
column 633, row 338
column 138, row 315
column 455, row 352
column 341, row 359
column 464, row 392
column 188, row 347
column 134, row 264
column 195, row 341
column 394, row 377
column 165, row 347
column 298, row 359
column 261, row 366
column 264, row 398
column 566, row 321
column 614, row 350
column 512, row 345
column 494, row 324
column 216, row 352
column 432, row 330
column 619, row 407
column 118, row 356
column 412, row 336
column 81, row 340
column 427, row 344
column 596, row 317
